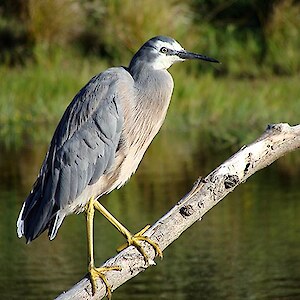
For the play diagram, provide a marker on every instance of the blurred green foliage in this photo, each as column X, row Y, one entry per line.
column 253, row 37
column 51, row 48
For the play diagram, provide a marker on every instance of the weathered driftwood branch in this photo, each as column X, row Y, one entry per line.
column 276, row 141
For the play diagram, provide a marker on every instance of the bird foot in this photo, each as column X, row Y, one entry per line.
column 99, row 272
column 135, row 240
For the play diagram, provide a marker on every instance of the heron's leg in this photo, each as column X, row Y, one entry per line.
column 95, row 272
column 133, row 240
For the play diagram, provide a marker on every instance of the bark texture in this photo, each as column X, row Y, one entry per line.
column 276, row 141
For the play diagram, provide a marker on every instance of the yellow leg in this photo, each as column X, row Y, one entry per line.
column 95, row 272
column 131, row 239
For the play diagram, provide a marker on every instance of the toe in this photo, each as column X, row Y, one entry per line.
column 99, row 272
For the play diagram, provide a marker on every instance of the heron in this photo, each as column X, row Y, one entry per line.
column 99, row 143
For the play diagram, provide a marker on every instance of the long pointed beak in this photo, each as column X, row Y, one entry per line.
column 191, row 55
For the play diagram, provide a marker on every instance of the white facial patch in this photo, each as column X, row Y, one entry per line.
column 174, row 45
column 165, row 61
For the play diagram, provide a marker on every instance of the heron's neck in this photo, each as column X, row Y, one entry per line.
column 138, row 70
column 144, row 74
column 153, row 87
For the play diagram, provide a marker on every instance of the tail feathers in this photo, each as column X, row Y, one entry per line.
column 25, row 210
column 20, row 222
column 55, row 224
column 36, row 216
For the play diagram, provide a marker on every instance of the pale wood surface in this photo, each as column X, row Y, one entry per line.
column 276, row 141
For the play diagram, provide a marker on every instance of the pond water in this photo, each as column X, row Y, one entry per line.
column 247, row 247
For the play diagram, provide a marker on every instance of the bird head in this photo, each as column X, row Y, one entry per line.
column 162, row 52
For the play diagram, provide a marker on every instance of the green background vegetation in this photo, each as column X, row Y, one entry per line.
column 51, row 48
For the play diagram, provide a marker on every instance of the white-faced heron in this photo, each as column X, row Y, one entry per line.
column 99, row 143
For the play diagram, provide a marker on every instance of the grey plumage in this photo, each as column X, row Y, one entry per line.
column 102, row 136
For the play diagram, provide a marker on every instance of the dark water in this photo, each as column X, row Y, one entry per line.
column 247, row 247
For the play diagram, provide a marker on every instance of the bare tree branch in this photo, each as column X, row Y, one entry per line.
column 276, row 141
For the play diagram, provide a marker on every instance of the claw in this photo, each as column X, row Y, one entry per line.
column 99, row 272
column 134, row 240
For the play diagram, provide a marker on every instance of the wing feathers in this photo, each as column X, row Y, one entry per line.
column 82, row 149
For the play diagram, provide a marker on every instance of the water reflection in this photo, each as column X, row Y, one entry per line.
column 245, row 248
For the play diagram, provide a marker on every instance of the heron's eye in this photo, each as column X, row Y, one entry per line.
column 163, row 50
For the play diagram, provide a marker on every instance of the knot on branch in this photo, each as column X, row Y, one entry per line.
column 186, row 211
column 231, row 181
column 277, row 128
